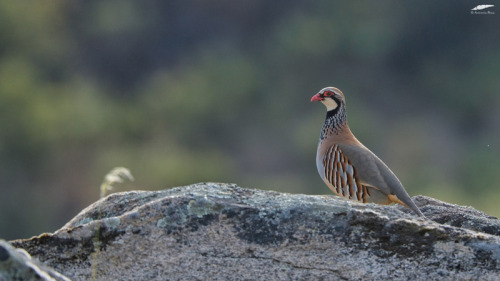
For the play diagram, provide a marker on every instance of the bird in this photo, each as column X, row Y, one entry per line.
column 349, row 168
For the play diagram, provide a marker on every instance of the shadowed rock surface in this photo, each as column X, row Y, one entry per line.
column 17, row 264
column 212, row 231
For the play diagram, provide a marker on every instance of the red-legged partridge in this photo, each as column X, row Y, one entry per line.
column 347, row 167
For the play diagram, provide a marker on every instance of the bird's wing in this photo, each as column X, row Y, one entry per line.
column 371, row 170
column 354, row 172
column 374, row 172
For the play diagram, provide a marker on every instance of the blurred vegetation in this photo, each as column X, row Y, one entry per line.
column 187, row 91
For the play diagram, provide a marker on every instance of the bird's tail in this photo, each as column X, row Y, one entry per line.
column 408, row 203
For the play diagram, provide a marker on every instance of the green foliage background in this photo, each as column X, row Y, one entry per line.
column 187, row 91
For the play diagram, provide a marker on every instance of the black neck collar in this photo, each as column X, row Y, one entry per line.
column 333, row 112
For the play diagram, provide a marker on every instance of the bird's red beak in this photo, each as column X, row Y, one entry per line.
column 317, row 97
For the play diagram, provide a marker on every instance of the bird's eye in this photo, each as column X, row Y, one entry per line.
column 327, row 94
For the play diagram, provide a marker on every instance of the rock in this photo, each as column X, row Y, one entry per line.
column 212, row 231
column 17, row 264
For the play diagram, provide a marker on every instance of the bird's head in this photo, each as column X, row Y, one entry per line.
column 331, row 97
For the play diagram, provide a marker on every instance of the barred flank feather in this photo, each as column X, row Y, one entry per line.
column 342, row 175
